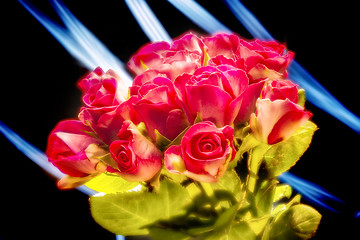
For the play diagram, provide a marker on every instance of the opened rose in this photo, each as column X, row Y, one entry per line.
column 136, row 158
column 203, row 154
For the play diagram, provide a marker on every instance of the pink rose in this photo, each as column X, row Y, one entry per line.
column 107, row 121
column 204, row 152
column 277, row 120
column 137, row 158
column 280, row 89
column 217, row 94
column 268, row 56
column 260, row 59
column 159, row 109
column 222, row 49
column 66, row 148
column 103, row 89
column 185, row 54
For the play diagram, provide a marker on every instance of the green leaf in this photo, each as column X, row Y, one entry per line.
column 257, row 225
column 225, row 220
column 298, row 222
column 254, row 163
column 177, row 140
column 282, row 191
column 282, row 156
column 301, row 97
column 166, row 234
column 230, row 181
column 129, row 213
column 248, row 143
column 265, row 197
column 206, row 57
column 108, row 183
column 161, row 140
column 241, row 231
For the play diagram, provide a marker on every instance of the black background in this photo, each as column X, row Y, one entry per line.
column 38, row 89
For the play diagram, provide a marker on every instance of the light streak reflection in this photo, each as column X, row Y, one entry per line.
column 315, row 92
column 36, row 155
column 312, row 192
column 200, row 16
column 78, row 40
column 148, row 21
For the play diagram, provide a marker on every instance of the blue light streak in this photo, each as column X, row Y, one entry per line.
column 148, row 21
column 248, row 19
column 315, row 92
column 119, row 237
column 200, row 16
column 36, row 156
column 79, row 41
column 310, row 191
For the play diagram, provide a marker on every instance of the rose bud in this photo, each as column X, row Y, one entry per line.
column 277, row 120
column 203, row 154
column 280, row 89
column 66, row 148
column 71, row 148
column 137, row 158
column 103, row 89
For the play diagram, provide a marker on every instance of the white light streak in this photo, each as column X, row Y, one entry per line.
column 200, row 16
column 147, row 20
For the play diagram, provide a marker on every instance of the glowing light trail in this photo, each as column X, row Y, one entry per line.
column 315, row 92
column 197, row 14
column 309, row 190
column 79, row 41
column 36, row 155
column 148, row 21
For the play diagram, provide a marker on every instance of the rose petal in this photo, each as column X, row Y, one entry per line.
column 209, row 101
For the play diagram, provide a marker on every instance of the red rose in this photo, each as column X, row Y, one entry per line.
column 217, row 94
column 280, row 89
column 137, row 158
column 103, row 89
column 66, row 148
column 106, row 121
column 277, row 120
column 260, row 59
column 204, row 152
column 185, row 54
column 159, row 109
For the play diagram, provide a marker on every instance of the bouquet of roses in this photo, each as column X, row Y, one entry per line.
column 193, row 148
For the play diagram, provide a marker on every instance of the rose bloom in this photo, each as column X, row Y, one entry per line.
column 203, row 154
column 277, row 114
column 103, row 89
column 136, row 157
column 106, row 121
column 260, row 59
column 184, row 54
column 66, row 148
column 219, row 94
column 159, row 109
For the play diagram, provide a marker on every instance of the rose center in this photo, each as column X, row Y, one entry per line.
column 122, row 156
column 207, row 145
